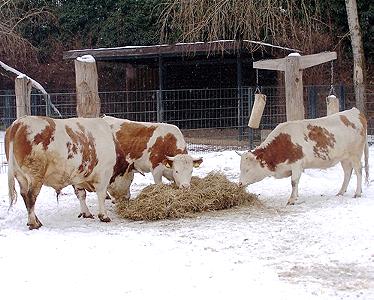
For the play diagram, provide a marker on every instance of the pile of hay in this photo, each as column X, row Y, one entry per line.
column 156, row 202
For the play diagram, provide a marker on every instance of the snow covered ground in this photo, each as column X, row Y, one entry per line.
column 321, row 248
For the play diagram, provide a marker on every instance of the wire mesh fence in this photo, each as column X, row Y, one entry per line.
column 210, row 119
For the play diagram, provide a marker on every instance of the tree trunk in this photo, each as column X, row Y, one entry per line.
column 358, row 54
column 88, row 101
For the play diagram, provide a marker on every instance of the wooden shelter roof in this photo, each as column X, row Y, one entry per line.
column 131, row 53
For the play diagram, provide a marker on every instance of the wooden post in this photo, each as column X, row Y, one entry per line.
column 23, row 95
column 293, row 66
column 86, row 78
column 293, row 78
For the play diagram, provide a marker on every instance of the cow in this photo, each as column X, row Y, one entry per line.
column 56, row 153
column 304, row 144
column 145, row 147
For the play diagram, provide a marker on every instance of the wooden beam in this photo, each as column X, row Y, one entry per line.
column 308, row 61
column 270, row 64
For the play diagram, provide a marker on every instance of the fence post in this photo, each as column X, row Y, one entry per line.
column 240, row 114
column 342, row 97
column 250, row 106
column 8, row 112
column 312, row 101
column 23, row 95
column 160, row 109
column 47, row 105
column 239, row 75
column 159, row 106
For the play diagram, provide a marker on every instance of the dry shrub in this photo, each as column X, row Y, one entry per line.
column 214, row 192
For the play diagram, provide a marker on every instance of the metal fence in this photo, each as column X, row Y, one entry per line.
column 210, row 119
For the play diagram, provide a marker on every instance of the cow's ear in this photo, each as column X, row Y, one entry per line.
column 197, row 162
column 168, row 163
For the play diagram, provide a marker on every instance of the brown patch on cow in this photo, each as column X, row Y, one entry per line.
column 72, row 149
column 164, row 146
column 364, row 123
column 133, row 138
column 23, row 147
column 346, row 122
column 323, row 139
column 47, row 135
column 7, row 141
column 121, row 165
column 85, row 143
column 279, row 150
column 130, row 141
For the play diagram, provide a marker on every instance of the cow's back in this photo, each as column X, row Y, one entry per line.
column 145, row 144
column 322, row 142
column 60, row 152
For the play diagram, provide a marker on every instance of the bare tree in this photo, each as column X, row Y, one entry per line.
column 13, row 14
column 279, row 21
column 359, row 68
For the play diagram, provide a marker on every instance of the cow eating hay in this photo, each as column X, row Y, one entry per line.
column 157, row 201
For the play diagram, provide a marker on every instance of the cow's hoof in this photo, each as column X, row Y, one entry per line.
column 85, row 216
column 357, row 196
column 104, row 219
column 291, row 203
column 37, row 225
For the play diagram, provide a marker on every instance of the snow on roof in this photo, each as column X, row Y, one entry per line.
column 164, row 49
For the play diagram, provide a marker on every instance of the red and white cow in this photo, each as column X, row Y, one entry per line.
column 316, row 143
column 144, row 147
column 57, row 153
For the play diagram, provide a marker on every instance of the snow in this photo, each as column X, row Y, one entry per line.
column 21, row 76
column 86, row 58
column 294, row 54
column 190, row 43
column 321, row 248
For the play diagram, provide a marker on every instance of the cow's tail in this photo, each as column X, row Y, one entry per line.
column 11, row 175
column 366, row 155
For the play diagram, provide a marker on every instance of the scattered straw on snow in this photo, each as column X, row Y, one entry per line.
column 214, row 192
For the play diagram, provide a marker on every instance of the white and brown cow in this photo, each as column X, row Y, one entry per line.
column 144, row 147
column 57, row 153
column 316, row 143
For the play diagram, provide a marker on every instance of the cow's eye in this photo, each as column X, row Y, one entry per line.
column 176, row 172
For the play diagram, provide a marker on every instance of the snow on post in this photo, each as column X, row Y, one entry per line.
column 86, row 78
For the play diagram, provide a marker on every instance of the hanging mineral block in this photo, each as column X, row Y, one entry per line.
column 332, row 104
column 257, row 110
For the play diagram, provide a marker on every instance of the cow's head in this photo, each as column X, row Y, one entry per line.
column 181, row 166
column 251, row 169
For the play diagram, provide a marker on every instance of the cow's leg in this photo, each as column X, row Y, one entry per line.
column 29, row 196
column 101, row 194
column 357, row 166
column 81, row 195
column 128, row 180
column 347, row 168
column 295, row 177
column 26, row 194
column 157, row 174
